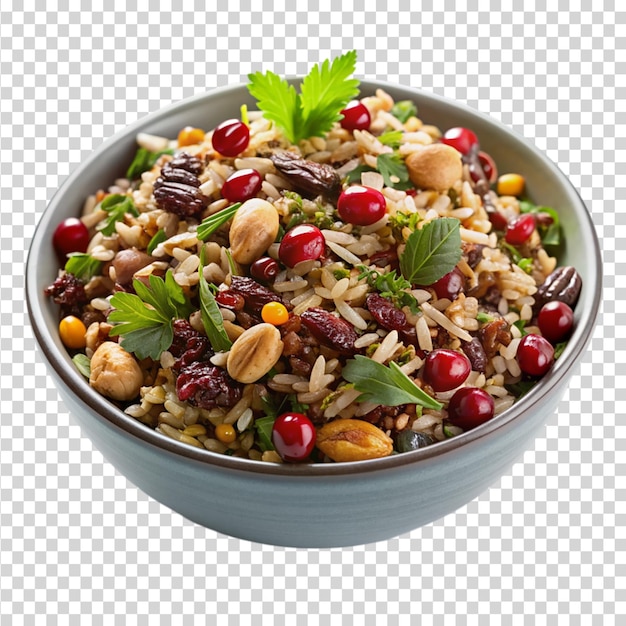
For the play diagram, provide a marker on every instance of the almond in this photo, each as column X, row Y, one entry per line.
column 253, row 230
column 353, row 440
column 436, row 166
column 254, row 353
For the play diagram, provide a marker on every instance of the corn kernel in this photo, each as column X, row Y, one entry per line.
column 510, row 185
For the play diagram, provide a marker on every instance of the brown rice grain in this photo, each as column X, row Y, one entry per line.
column 215, row 445
column 170, row 420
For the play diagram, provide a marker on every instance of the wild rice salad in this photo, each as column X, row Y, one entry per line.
column 328, row 278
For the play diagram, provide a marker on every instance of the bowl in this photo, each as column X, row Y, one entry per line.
column 315, row 505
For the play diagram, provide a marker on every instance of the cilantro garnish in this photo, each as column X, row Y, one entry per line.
column 82, row 265
column 144, row 318
column 432, row 251
column 324, row 93
column 389, row 386
column 117, row 205
column 401, row 220
column 393, row 170
column 390, row 286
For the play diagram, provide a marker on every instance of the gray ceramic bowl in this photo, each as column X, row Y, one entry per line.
column 314, row 505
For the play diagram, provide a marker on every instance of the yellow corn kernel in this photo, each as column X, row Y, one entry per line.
column 72, row 332
column 189, row 136
column 510, row 185
column 225, row 433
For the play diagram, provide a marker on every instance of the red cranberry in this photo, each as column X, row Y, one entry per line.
column 450, row 285
column 462, row 139
column 242, row 185
column 470, row 407
column 230, row 300
column 265, row 269
column 555, row 320
column 231, row 137
column 535, row 355
column 446, row 369
column 303, row 242
column 497, row 219
column 355, row 116
column 293, row 436
column 489, row 167
column 361, row 205
column 519, row 230
column 71, row 235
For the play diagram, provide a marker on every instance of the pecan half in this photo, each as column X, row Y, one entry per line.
column 308, row 177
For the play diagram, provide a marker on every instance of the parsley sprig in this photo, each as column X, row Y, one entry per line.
column 324, row 92
column 117, row 205
column 390, row 286
column 144, row 318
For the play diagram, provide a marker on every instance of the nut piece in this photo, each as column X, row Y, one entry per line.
column 114, row 372
column 253, row 230
column 254, row 353
column 353, row 440
column 436, row 166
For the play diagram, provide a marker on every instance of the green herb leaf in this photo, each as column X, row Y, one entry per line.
column 389, row 386
column 82, row 363
column 520, row 388
column 432, row 251
column 403, row 110
column 393, row 170
column 144, row 160
column 264, row 426
column 520, row 324
column 210, row 313
column 526, row 264
column 144, row 319
column 159, row 237
column 82, row 265
column 483, row 318
column 390, row 286
column 558, row 349
column 402, row 220
column 324, row 92
column 391, row 138
column 212, row 223
column 354, row 176
column 117, row 205
column 550, row 234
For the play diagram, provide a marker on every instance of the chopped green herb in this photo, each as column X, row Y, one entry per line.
column 390, row 286
column 83, row 364
column 558, row 349
column 526, row 264
column 144, row 319
column 385, row 385
column 432, row 251
column 354, row 176
column 391, row 138
column 295, row 197
column 393, row 170
column 403, row 110
column 159, row 237
column 483, row 318
column 263, row 427
column 520, row 324
column 520, row 388
column 297, row 407
column 117, row 205
column 144, row 160
column 341, row 273
column 516, row 257
column 212, row 223
column 402, row 220
column 324, row 93
column 82, row 265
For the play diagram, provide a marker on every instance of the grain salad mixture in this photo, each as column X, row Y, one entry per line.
column 327, row 278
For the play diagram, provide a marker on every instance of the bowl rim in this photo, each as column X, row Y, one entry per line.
column 106, row 411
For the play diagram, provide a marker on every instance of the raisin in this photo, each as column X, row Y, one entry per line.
column 385, row 313
column 69, row 293
column 475, row 352
column 256, row 296
column 330, row 330
column 473, row 253
column 386, row 258
column 308, row 177
column 564, row 284
column 493, row 334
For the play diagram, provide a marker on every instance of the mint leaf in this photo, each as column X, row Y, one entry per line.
column 388, row 386
column 432, row 251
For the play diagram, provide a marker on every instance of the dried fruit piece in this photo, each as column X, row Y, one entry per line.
column 255, row 295
column 346, row 440
column 332, row 331
column 385, row 313
column 308, row 177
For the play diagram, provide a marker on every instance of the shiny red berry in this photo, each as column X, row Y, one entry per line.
column 535, row 355
column 446, row 369
column 470, row 407
column 555, row 321
column 293, row 436
column 489, row 167
column 355, row 116
column 519, row 230
column 303, row 242
column 450, row 285
column 264, row 269
column 71, row 235
column 231, row 137
column 497, row 219
column 462, row 139
column 242, row 185
column 361, row 205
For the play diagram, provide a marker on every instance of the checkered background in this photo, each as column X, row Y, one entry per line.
column 80, row 544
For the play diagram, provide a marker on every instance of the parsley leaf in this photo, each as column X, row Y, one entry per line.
column 393, row 170
column 116, row 205
column 210, row 224
column 391, row 287
column 389, row 386
column 403, row 110
column 432, row 251
column 144, row 319
column 324, row 92
column 82, row 265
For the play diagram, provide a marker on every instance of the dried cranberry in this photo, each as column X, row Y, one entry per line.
column 69, row 293
column 229, row 299
column 330, row 330
column 450, row 285
column 206, row 386
column 265, row 269
column 385, row 313
column 254, row 294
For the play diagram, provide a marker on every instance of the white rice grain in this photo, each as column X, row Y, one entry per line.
column 387, row 348
column 443, row 321
column 350, row 314
column 341, row 252
column 424, row 338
